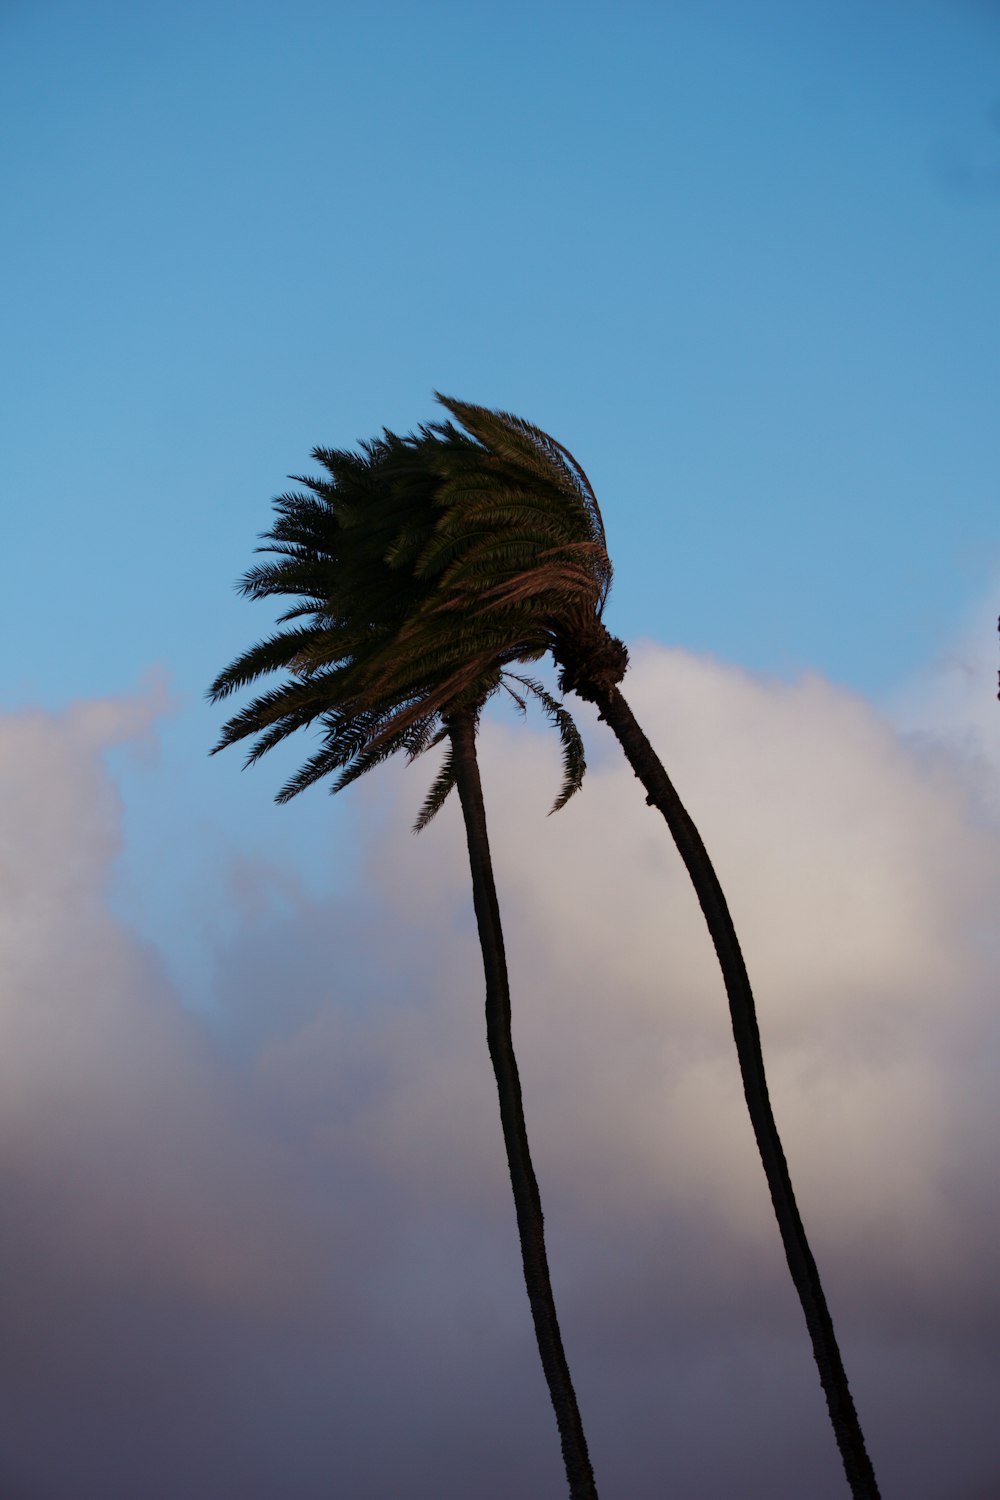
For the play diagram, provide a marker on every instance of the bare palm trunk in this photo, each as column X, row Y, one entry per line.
column 661, row 793
column 527, row 1200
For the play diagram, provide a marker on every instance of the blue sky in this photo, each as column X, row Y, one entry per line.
column 741, row 260
column 742, row 263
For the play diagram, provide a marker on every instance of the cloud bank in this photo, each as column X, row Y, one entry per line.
column 276, row 1253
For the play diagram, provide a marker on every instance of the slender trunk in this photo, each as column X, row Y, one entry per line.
column 527, row 1200
column 662, row 794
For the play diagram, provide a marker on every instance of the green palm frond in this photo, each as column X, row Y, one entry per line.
column 337, row 755
column 308, row 698
column 266, row 656
column 438, row 793
column 324, row 763
column 422, row 737
column 520, row 443
column 268, row 738
column 510, row 439
column 416, row 571
column 574, row 759
column 519, row 702
column 382, row 748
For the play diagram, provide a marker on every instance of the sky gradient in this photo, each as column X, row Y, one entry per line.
column 259, row 1238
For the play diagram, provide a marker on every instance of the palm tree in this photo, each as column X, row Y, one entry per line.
column 332, row 547
column 516, row 563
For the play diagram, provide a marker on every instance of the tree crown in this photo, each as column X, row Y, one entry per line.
column 379, row 654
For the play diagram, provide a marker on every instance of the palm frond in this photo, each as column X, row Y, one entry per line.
column 266, row 656
column 417, row 570
column 309, row 698
column 516, row 441
column 574, row 758
column 442, row 784
column 381, row 749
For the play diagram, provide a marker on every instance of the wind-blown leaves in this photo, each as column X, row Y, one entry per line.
column 574, row 760
column 418, row 569
column 414, row 571
column 442, row 785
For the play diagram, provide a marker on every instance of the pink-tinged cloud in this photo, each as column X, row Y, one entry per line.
column 276, row 1254
column 123, row 1140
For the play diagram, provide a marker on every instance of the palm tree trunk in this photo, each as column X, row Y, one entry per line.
column 527, row 1201
column 661, row 793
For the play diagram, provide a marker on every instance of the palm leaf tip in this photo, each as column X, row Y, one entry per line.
column 410, row 578
column 438, row 793
column 573, row 756
column 513, row 441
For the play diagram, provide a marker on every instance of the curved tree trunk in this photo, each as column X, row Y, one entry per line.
column 661, row 793
column 528, row 1203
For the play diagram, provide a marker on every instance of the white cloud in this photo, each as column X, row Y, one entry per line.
column 324, row 1209
column 864, row 887
column 116, row 1126
column 951, row 706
